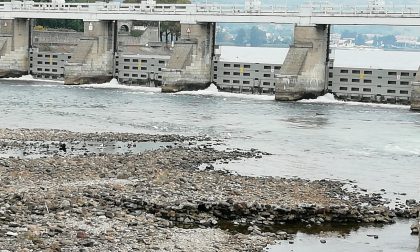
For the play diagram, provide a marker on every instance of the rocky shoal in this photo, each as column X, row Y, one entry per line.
column 158, row 200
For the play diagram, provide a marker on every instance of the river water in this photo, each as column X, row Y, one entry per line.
column 377, row 146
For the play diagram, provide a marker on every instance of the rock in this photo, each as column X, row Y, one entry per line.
column 415, row 229
column 13, row 224
column 122, row 175
column 11, row 234
column 65, row 204
column 323, row 241
column 89, row 244
column 81, row 235
column 62, row 147
column 410, row 202
column 210, row 167
column 109, row 214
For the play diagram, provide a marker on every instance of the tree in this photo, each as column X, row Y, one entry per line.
column 257, row 37
column 388, row 40
column 240, row 37
column 377, row 41
column 76, row 25
column 348, row 34
column 360, row 40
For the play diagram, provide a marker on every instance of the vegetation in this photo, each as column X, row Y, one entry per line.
column 76, row 25
column 135, row 33
column 170, row 30
column 255, row 37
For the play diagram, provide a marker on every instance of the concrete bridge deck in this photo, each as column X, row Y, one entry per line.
column 210, row 13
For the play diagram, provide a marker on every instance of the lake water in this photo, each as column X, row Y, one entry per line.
column 378, row 146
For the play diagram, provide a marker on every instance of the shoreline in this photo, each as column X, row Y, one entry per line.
column 161, row 192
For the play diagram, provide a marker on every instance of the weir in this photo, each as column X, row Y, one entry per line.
column 14, row 47
column 189, row 67
column 92, row 59
column 303, row 74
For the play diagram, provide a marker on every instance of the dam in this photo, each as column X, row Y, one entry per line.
column 96, row 55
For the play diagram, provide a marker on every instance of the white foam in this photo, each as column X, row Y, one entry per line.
column 31, row 78
column 402, row 150
column 213, row 91
column 113, row 84
column 330, row 99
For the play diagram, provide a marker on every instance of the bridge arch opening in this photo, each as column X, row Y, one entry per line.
column 124, row 29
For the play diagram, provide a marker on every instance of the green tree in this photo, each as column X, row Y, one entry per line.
column 388, row 40
column 240, row 37
column 257, row 37
column 76, row 25
column 360, row 40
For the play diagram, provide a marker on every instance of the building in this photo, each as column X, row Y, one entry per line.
column 358, row 74
column 140, row 69
column 47, row 65
column 247, row 69
column 373, row 74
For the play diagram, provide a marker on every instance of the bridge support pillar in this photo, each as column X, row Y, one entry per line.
column 303, row 74
column 14, row 47
column 189, row 67
column 92, row 59
column 415, row 94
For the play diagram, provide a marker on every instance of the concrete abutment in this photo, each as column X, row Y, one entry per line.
column 189, row 67
column 415, row 93
column 303, row 74
column 14, row 47
column 92, row 59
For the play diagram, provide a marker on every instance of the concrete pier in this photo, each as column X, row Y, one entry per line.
column 14, row 47
column 415, row 93
column 92, row 59
column 303, row 74
column 190, row 65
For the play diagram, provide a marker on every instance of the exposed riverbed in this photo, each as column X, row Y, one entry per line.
column 373, row 149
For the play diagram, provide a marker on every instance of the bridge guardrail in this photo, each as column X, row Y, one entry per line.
column 219, row 9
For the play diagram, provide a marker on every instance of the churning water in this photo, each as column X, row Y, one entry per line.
column 376, row 145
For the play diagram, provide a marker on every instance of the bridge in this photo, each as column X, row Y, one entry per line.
column 303, row 73
column 212, row 13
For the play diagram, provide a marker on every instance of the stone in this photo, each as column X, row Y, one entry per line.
column 410, row 202
column 81, row 235
column 13, row 234
column 414, row 229
column 109, row 214
column 65, row 204
column 89, row 244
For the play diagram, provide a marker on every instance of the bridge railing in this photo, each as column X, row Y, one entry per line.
column 214, row 9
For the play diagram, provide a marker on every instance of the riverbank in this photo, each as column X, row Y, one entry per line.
column 166, row 198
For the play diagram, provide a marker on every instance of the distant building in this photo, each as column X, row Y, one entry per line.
column 358, row 74
column 247, row 69
column 373, row 74
column 406, row 41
